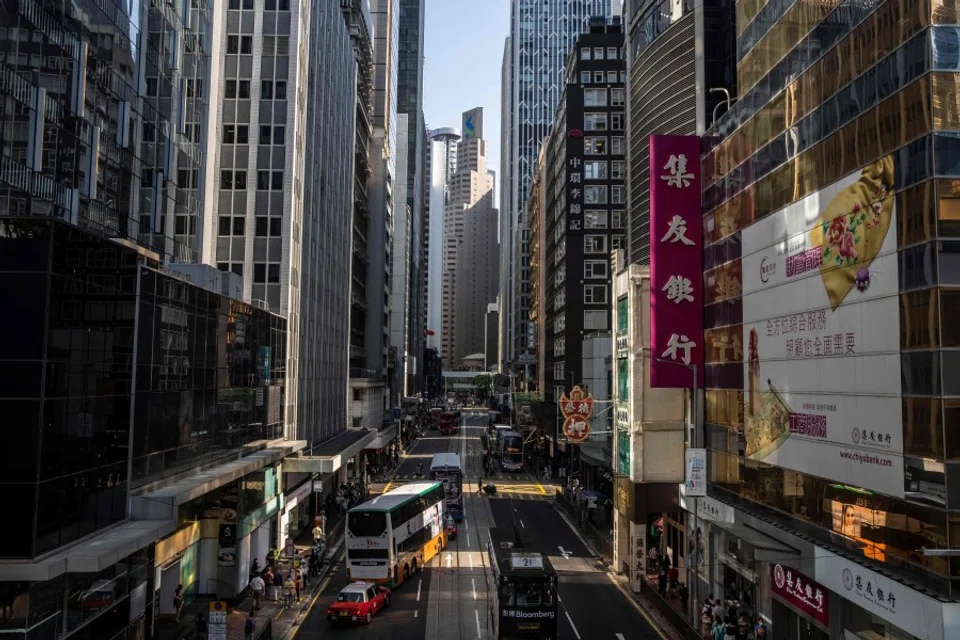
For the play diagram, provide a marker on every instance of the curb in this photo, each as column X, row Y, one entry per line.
column 304, row 609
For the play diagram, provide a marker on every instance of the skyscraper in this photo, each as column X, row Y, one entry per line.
column 469, row 192
column 442, row 166
column 541, row 34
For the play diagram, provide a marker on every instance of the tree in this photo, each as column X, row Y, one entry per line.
column 482, row 383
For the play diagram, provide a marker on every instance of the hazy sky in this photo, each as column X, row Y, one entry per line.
column 464, row 51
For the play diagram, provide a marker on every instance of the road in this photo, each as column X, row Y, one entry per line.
column 448, row 599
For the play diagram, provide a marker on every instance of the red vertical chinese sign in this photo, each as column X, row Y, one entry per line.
column 676, row 261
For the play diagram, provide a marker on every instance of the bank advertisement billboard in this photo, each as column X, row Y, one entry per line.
column 676, row 261
column 821, row 325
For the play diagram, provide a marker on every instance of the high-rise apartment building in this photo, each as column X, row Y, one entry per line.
column 541, row 34
column 469, row 192
column 441, row 165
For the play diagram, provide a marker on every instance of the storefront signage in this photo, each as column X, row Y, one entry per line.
column 696, row 473
column 318, row 486
column 903, row 607
column 823, row 385
column 575, row 189
column 714, row 511
column 806, row 595
column 576, row 409
column 638, row 556
column 217, row 621
column 227, row 552
column 676, row 261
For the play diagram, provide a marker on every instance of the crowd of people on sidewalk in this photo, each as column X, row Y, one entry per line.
column 727, row 620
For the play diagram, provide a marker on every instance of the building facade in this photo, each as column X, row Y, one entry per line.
column 469, row 193
column 535, row 56
column 827, row 194
column 476, row 277
column 442, row 166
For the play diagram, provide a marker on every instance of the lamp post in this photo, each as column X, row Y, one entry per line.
column 695, row 442
column 556, row 423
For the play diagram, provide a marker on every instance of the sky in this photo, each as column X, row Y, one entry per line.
column 463, row 55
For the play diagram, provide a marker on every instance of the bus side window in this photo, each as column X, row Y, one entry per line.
column 509, row 597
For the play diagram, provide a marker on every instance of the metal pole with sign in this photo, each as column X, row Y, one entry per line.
column 217, row 622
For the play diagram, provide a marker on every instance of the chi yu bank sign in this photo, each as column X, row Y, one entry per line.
column 676, row 260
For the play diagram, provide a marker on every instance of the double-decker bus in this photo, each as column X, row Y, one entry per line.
column 450, row 422
column 522, row 588
column 445, row 468
column 511, row 451
column 393, row 536
column 435, row 417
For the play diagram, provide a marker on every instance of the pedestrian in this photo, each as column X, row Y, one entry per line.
column 249, row 626
column 297, row 582
column 760, row 633
column 268, row 584
column 288, row 590
column 201, row 627
column 277, row 586
column 178, row 601
column 257, row 587
column 662, row 583
column 317, row 532
column 719, row 628
column 684, row 597
column 480, row 486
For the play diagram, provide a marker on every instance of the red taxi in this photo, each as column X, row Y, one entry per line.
column 358, row 602
column 450, row 526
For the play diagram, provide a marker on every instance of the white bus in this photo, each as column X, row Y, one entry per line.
column 393, row 536
column 445, row 468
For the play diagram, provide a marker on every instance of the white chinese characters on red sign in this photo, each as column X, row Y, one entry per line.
column 576, row 409
column 675, row 259
column 801, row 592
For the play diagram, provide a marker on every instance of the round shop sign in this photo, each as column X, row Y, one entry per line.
column 856, row 435
column 779, row 577
column 848, row 579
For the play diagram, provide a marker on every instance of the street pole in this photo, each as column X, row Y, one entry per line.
column 694, row 437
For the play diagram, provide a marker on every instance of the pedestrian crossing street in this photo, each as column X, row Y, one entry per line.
column 509, row 485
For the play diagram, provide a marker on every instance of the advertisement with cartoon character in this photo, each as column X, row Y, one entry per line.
column 821, row 326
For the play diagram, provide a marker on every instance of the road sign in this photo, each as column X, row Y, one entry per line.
column 217, row 622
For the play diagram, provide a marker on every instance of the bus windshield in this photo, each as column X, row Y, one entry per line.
column 512, row 448
column 527, row 594
column 366, row 524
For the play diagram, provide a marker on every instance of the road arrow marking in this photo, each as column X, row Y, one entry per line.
column 449, row 560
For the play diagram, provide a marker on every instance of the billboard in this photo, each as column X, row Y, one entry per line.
column 676, row 261
column 473, row 123
column 821, row 325
column 576, row 409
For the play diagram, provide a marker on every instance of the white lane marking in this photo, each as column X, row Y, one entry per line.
column 468, row 538
column 419, row 584
column 564, row 553
column 449, row 560
column 479, row 634
column 620, row 636
column 474, row 583
column 416, row 613
column 470, row 556
column 572, row 626
column 521, row 523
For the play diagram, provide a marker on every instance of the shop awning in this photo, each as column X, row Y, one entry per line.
column 384, row 437
column 162, row 503
column 329, row 456
column 93, row 555
column 760, row 541
column 593, row 454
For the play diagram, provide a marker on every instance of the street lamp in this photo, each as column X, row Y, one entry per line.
column 694, row 439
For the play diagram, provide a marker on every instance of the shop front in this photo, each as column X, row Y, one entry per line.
column 801, row 605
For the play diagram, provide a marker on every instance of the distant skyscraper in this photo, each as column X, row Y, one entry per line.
column 541, row 34
column 442, row 166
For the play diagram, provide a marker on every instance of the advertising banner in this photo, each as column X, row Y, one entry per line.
column 576, row 409
column 804, row 594
column 696, row 473
column 821, row 325
column 638, row 555
column 676, row 261
column 227, row 552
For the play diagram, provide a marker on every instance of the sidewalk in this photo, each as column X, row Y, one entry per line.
column 274, row 621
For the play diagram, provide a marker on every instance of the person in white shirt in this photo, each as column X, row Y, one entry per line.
column 257, row 587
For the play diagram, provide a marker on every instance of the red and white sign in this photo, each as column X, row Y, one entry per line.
column 805, row 594
column 576, row 409
column 676, row 260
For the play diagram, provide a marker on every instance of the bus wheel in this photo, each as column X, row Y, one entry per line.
column 406, row 571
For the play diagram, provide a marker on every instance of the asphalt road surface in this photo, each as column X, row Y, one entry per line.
column 592, row 607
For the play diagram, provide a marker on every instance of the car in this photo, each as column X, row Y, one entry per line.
column 450, row 525
column 358, row 602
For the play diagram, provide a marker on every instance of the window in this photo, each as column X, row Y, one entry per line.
column 595, row 219
column 594, row 97
column 595, row 244
column 261, row 226
column 617, row 147
column 279, row 134
column 233, row 44
column 612, row 77
column 243, row 89
column 595, row 121
column 266, row 134
column 618, row 194
column 276, row 180
column 616, row 97
column 616, row 121
column 246, row 44
column 263, row 180
column 612, row 53
column 595, row 294
column 237, row 268
column 623, row 76
column 595, row 170
column 598, row 77
column 595, row 269
column 595, row 194
column 275, row 227
column 598, row 53
column 273, row 273
column 616, row 218
column 260, row 272
column 239, row 223
column 151, row 86
column 233, row 179
column 230, row 88
column 280, row 92
column 149, row 132
column 235, row 134
column 266, row 89
column 595, row 145
column 616, row 170
column 617, row 241
column 585, row 53
column 585, row 77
